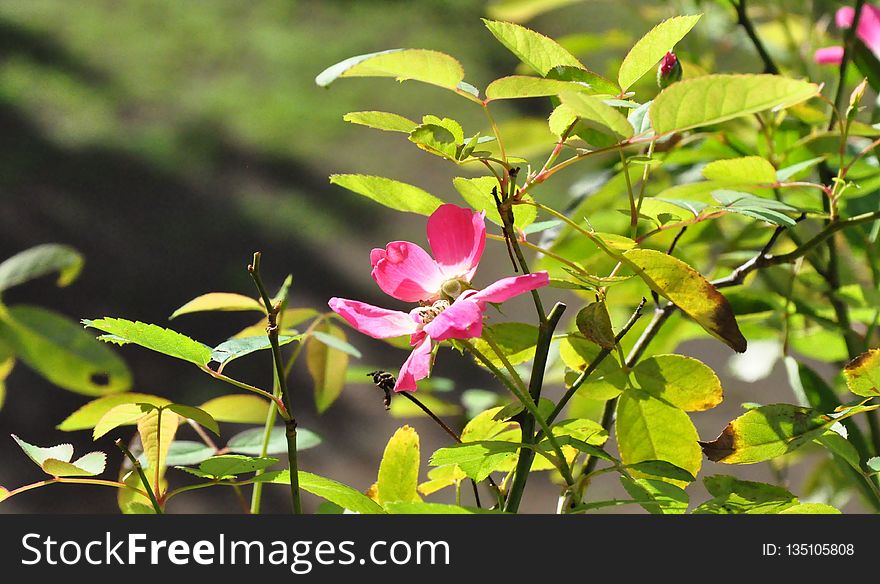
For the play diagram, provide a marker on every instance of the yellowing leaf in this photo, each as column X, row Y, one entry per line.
column 594, row 323
column 239, row 408
column 684, row 382
column 399, row 469
column 770, row 431
column 219, row 301
column 713, row 99
column 422, row 65
column 88, row 415
column 863, row 374
column 327, row 366
column 690, row 291
column 157, row 430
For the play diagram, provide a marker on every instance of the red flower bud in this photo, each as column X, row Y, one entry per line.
column 669, row 71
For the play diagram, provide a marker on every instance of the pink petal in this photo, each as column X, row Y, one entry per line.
column 869, row 28
column 462, row 320
column 869, row 25
column 376, row 322
column 506, row 288
column 457, row 237
column 417, row 366
column 406, row 272
column 844, row 17
column 828, row 56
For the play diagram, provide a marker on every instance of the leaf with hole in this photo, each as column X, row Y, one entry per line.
column 61, row 352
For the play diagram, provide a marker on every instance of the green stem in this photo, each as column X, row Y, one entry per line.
column 140, row 471
column 527, row 422
column 289, row 420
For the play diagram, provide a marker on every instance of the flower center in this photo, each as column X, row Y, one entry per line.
column 429, row 313
column 452, row 289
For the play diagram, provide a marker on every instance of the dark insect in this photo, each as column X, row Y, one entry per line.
column 384, row 381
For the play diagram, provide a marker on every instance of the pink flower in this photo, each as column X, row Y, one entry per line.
column 868, row 31
column 449, row 307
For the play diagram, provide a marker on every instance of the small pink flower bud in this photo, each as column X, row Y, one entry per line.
column 669, row 71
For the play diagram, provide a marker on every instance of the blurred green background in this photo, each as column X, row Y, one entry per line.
column 168, row 140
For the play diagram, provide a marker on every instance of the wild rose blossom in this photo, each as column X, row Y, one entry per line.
column 449, row 308
column 868, row 31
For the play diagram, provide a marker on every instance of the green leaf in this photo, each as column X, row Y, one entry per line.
column 197, row 415
column 684, row 382
column 156, row 338
column 39, row 261
column 230, row 465
column 539, row 52
column 381, row 121
column 221, row 302
column 783, row 174
column 422, row 65
column 185, row 453
column 436, row 140
column 517, row 341
column 770, row 431
column 238, row 408
column 735, row 496
column 121, row 415
column 756, row 207
column 333, row 491
column 399, row 469
column 863, row 374
column 336, row 341
column 594, row 323
column 873, row 463
column 521, row 86
column 748, row 169
column 477, row 459
column 605, row 382
column 595, row 114
column 419, row 508
column 842, row 447
column 251, row 441
column 650, row 429
column 657, row 497
column 712, row 99
column 810, row 509
column 589, row 80
column 477, row 192
column 391, row 193
column 662, row 469
column 238, row 347
column 59, row 350
column 91, row 413
column 56, row 462
column 649, row 49
column 326, row 364
column 689, row 290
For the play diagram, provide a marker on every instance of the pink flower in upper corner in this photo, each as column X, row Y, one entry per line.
column 449, row 307
column 868, row 31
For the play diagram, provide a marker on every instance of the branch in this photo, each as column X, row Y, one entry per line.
column 744, row 21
